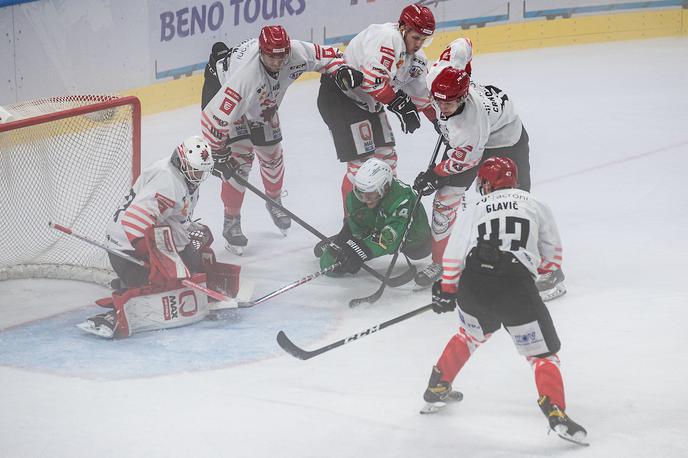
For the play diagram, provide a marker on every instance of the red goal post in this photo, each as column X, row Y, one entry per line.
column 69, row 160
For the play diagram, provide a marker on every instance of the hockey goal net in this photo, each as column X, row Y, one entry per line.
column 68, row 160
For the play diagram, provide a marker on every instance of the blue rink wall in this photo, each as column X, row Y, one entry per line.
column 55, row 345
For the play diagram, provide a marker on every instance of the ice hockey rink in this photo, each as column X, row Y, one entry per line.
column 609, row 152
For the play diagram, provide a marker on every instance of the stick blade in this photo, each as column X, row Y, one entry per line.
column 291, row 348
column 355, row 302
column 404, row 278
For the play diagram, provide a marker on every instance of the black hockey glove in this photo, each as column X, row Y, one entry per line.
column 347, row 78
column 427, row 182
column 225, row 165
column 220, row 51
column 441, row 301
column 353, row 254
column 406, row 111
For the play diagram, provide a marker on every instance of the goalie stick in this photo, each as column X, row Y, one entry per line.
column 378, row 294
column 297, row 352
column 393, row 282
column 224, row 301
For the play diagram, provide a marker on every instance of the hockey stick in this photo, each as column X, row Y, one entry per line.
column 292, row 285
column 225, row 301
column 377, row 294
column 297, row 352
column 393, row 282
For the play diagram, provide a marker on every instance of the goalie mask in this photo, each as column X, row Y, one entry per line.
column 194, row 159
column 372, row 181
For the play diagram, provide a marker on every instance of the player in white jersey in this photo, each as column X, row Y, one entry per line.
column 154, row 225
column 393, row 68
column 243, row 89
column 490, row 266
column 477, row 122
column 458, row 54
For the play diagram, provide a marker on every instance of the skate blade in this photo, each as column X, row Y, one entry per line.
column 88, row 326
column 432, row 407
column 553, row 293
column 237, row 250
column 578, row 438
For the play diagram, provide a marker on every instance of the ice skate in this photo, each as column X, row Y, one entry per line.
column 279, row 217
column 235, row 240
column 428, row 275
column 561, row 423
column 102, row 325
column 438, row 394
column 551, row 285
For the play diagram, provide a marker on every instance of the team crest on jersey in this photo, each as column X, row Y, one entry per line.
column 400, row 63
column 415, row 71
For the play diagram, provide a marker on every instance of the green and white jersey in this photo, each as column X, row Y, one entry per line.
column 382, row 227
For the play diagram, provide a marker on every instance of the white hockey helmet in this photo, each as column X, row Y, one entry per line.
column 372, row 181
column 195, row 159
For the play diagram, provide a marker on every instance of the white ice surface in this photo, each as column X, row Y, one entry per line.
column 609, row 152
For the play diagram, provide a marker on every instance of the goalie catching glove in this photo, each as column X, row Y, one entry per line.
column 347, row 78
column 406, row 111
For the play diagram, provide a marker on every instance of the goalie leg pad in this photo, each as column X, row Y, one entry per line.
column 156, row 307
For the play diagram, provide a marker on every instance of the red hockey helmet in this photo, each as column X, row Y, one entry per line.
column 418, row 18
column 450, row 84
column 499, row 172
column 274, row 41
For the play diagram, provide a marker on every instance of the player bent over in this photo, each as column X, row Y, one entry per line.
column 393, row 69
column 377, row 213
column 477, row 122
column 490, row 266
column 155, row 225
column 243, row 89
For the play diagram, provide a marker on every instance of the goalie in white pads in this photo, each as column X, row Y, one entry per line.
column 490, row 266
column 154, row 225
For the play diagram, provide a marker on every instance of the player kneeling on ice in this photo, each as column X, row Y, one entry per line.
column 378, row 212
column 490, row 266
column 154, row 226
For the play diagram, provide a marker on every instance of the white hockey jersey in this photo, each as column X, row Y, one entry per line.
column 458, row 54
column 160, row 196
column 523, row 225
column 248, row 90
column 488, row 120
column 379, row 52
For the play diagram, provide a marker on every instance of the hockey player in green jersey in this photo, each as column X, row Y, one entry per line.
column 378, row 210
